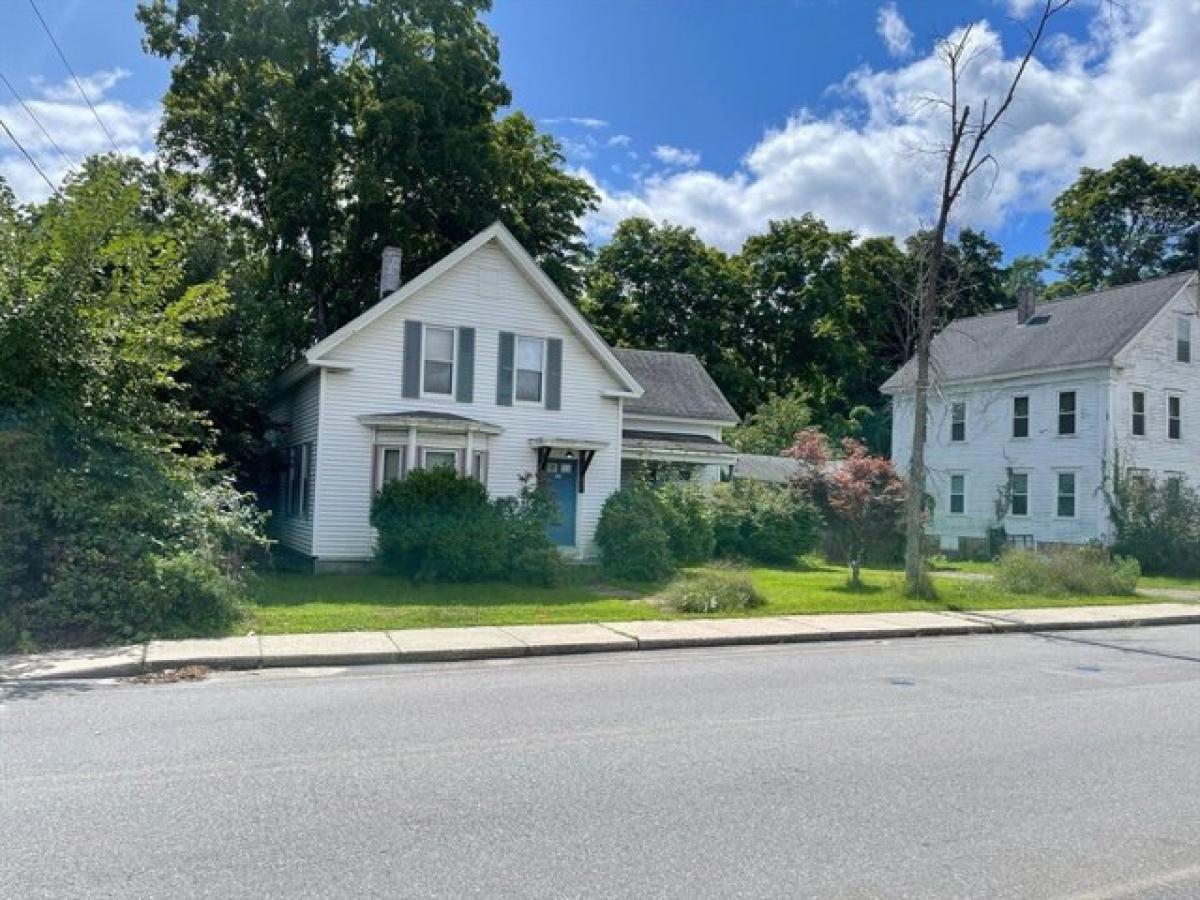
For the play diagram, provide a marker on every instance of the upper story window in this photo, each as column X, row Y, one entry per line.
column 958, row 494
column 1174, row 417
column 958, row 421
column 1018, row 493
column 1066, row 413
column 1137, row 422
column 1066, row 495
column 530, row 369
column 1020, row 425
column 1183, row 339
column 437, row 370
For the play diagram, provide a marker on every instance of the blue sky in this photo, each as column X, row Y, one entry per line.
column 722, row 115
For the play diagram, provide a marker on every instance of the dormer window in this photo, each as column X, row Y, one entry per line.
column 1183, row 339
column 530, row 369
column 438, row 366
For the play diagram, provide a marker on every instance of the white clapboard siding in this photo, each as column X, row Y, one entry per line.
column 298, row 409
column 487, row 292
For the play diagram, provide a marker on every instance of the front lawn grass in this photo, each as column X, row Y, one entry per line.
column 295, row 603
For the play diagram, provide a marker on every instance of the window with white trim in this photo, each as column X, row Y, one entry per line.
column 1137, row 423
column 479, row 466
column 1174, row 417
column 1018, row 493
column 958, row 421
column 1183, row 339
column 530, row 369
column 1065, row 501
column 958, row 494
column 1020, row 423
column 1066, row 413
column 296, row 500
column 437, row 368
column 392, row 463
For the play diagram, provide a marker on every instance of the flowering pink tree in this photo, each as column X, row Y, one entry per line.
column 860, row 495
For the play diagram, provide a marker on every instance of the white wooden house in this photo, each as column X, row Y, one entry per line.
column 1031, row 409
column 480, row 363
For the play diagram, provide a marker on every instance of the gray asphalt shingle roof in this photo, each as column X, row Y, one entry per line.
column 1076, row 331
column 664, row 440
column 676, row 385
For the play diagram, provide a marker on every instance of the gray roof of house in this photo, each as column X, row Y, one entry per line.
column 1077, row 331
column 755, row 467
column 669, row 440
column 677, row 385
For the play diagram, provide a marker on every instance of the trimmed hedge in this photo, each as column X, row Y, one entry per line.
column 632, row 536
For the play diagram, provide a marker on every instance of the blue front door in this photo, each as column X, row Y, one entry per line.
column 562, row 478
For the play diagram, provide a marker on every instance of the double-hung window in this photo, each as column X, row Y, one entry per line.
column 438, row 366
column 958, row 494
column 958, row 421
column 530, row 369
column 1183, row 339
column 435, row 459
column 1174, row 417
column 1066, row 413
column 1065, row 507
column 393, row 464
column 1137, row 422
column 296, row 500
column 1018, row 493
column 1020, row 423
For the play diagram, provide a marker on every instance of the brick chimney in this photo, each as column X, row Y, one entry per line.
column 389, row 271
column 1026, row 299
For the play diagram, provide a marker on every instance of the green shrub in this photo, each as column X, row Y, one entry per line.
column 713, row 591
column 688, row 521
column 436, row 525
column 532, row 556
column 1158, row 525
column 1069, row 571
column 762, row 523
column 632, row 537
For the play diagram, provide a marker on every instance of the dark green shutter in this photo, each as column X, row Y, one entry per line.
column 410, row 381
column 465, row 388
column 554, row 374
column 504, row 373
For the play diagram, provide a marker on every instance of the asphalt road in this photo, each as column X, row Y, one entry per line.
column 996, row 766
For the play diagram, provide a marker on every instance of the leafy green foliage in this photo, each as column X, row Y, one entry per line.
column 688, row 521
column 1069, row 571
column 713, row 590
column 107, row 529
column 340, row 127
column 632, row 536
column 773, row 426
column 437, row 525
column 763, row 523
column 1125, row 223
column 1158, row 524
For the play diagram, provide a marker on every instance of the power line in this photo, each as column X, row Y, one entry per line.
column 12, row 137
column 74, row 77
column 38, row 122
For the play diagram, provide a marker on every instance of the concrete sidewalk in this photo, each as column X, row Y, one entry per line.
column 491, row 642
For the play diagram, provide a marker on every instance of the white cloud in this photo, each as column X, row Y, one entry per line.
column 676, row 156
column 1132, row 86
column 69, row 121
column 619, row 140
column 891, row 27
column 581, row 121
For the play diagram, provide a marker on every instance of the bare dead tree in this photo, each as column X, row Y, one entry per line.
column 963, row 155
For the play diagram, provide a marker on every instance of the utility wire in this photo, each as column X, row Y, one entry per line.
column 38, row 122
column 12, row 137
column 74, row 77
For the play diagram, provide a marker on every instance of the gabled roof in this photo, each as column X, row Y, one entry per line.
column 1076, row 332
column 315, row 357
column 773, row 469
column 676, row 385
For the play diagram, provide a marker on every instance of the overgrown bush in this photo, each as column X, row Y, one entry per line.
column 437, row 525
column 762, row 523
column 1158, row 525
column 632, row 536
column 1068, row 571
column 687, row 518
column 713, row 591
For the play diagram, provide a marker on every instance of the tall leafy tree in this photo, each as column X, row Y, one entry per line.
column 660, row 287
column 336, row 127
column 1125, row 223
